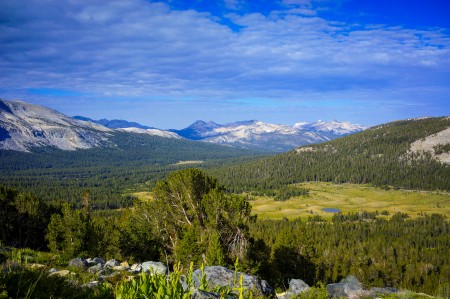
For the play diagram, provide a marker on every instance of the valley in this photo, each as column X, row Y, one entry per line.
column 352, row 198
column 347, row 199
column 373, row 204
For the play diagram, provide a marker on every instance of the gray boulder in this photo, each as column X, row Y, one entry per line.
column 199, row 294
column 218, row 276
column 136, row 268
column 296, row 286
column 154, row 267
column 112, row 263
column 119, row 268
column 61, row 273
column 348, row 287
column 78, row 262
column 95, row 261
column 96, row 268
column 352, row 280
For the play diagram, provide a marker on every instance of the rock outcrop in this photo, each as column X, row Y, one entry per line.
column 348, row 287
column 296, row 286
column 154, row 267
column 78, row 262
column 218, row 276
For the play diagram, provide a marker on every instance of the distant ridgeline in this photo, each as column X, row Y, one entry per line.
column 382, row 155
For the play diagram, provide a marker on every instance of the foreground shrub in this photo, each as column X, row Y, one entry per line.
column 319, row 292
column 19, row 282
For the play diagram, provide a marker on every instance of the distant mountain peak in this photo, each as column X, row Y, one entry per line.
column 334, row 126
column 114, row 123
column 242, row 123
column 266, row 136
column 204, row 124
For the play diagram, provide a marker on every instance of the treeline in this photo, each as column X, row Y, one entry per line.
column 400, row 252
column 137, row 160
column 379, row 155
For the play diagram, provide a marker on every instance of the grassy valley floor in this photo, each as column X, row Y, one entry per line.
column 352, row 198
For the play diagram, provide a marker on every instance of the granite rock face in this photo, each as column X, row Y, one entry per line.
column 154, row 267
column 349, row 287
column 78, row 262
column 218, row 276
column 296, row 286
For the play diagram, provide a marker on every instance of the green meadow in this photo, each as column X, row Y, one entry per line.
column 143, row 195
column 352, row 198
column 348, row 198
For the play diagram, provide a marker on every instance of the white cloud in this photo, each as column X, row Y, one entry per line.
column 140, row 48
column 297, row 2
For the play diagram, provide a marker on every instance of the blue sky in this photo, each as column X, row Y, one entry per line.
column 167, row 64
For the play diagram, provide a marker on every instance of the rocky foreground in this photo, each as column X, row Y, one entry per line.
column 216, row 277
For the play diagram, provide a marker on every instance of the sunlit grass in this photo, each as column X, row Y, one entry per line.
column 351, row 198
column 143, row 195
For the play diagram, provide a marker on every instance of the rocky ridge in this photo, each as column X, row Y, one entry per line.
column 24, row 126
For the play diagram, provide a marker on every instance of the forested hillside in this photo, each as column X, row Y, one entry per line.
column 380, row 155
column 138, row 159
column 193, row 219
column 402, row 253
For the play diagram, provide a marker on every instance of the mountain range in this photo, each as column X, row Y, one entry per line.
column 24, row 126
column 272, row 137
column 409, row 154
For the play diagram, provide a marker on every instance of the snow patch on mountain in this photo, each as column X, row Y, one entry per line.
column 335, row 127
column 155, row 132
column 248, row 132
column 265, row 136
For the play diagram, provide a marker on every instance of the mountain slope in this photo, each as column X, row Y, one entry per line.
column 198, row 130
column 154, row 132
column 333, row 127
column 270, row 137
column 131, row 127
column 114, row 123
column 382, row 155
column 25, row 126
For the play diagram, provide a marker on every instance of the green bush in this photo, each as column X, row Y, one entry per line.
column 319, row 292
column 20, row 282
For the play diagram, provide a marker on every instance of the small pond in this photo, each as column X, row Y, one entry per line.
column 331, row 210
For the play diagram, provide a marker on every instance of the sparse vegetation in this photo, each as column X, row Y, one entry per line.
column 442, row 148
